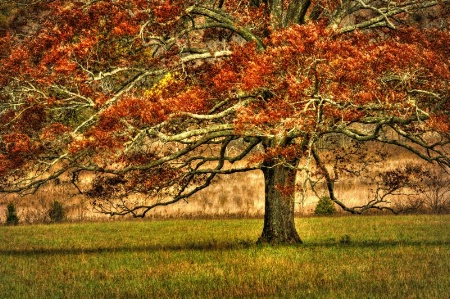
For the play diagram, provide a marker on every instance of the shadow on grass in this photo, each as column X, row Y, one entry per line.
column 216, row 246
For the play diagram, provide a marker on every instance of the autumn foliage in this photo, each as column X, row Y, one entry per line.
column 156, row 98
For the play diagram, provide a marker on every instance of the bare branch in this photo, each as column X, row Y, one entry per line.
column 384, row 14
column 226, row 21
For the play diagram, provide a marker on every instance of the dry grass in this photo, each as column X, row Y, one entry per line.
column 237, row 195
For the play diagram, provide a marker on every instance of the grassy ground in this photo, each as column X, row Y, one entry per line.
column 343, row 257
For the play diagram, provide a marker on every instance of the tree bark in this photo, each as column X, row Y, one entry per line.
column 279, row 226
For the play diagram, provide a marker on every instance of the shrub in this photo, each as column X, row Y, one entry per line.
column 345, row 240
column 57, row 212
column 325, row 206
column 11, row 214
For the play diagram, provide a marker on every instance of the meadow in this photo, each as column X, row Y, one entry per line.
column 342, row 257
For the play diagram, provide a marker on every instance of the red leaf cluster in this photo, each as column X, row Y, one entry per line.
column 16, row 144
column 166, row 10
column 54, row 131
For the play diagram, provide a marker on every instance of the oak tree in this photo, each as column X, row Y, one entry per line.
column 154, row 99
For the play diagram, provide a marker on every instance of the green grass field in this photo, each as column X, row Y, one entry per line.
column 343, row 257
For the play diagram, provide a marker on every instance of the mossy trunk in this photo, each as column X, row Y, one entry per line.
column 279, row 225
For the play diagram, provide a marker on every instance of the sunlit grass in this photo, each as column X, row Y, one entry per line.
column 342, row 257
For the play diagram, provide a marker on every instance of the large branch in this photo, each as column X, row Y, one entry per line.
column 384, row 14
column 296, row 12
column 137, row 78
column 187, row 182
column 206, row 136
column 192, row 133
column 225, row 21
column 183, row 193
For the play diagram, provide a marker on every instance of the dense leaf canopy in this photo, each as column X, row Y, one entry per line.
column 156, row 98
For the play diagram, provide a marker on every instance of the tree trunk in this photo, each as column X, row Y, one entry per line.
column 279, row 226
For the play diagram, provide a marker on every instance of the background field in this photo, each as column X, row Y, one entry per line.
column 342, row 257
column 242, row 194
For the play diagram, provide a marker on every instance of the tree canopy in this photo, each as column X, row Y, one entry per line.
column 154, row 99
